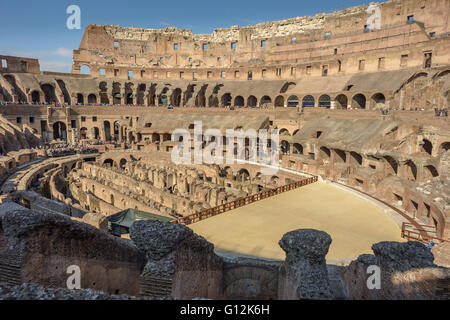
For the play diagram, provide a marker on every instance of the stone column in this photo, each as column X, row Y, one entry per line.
column 304, row 273
column 180, row 263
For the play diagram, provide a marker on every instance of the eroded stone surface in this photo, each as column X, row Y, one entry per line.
column 304, row 273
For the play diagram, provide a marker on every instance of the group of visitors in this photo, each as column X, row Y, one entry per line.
column 440, row 112
column 65, row 150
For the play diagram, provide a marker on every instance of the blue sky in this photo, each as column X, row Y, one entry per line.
column 37, row 29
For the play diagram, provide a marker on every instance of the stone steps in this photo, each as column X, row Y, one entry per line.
column 155, row 287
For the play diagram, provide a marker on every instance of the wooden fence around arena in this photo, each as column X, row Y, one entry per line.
column 211, row 212
column 410, row 232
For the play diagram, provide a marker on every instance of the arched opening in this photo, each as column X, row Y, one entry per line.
column 103, row 93
column 176, row 97
column 59, row 131
column 279, row 101
column 96, row 133
column 444, row 147
column 35, row 97
column 49, row 93
column 107, row 128
column 213, row 101
column 358, row 158
column 92, row 99
column 200, row 100
column 341, row 101
column 274, row 180
column 252, row 101
column 325, row 101
column 226, row 100
column 108, row 162
column 378, row 101
column 427, row 146
column 393, row 165
column 359, row 101
column 83, row 133
column 85, row 69
column 116, row 130
column 111, row 199
column 117, row 96
column 239, row 101
column 122, row 163
column 243, row 175
column 298, row 148
column 285, row 147
column 325, row 153
column 265, row 101
column 130, row 99
column 411, row 170
column 141, row 95
column 292, row 101
column 18, row 91
column 284, row 132
column 155, row 138
column 341, row 156
column 80, row 98
column 431, row 172
column 308, row 101
column 167, row 137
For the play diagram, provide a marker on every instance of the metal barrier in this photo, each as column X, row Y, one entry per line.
column 211, row 212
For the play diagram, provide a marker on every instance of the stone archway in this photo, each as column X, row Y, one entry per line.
column 279, row 101
column 378, row 101
column 59, row 130
column 359, row 101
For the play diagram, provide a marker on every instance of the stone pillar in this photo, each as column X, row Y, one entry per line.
column 402, row 98
column 332, row 104
column 304, row 273
column 180, row 263
column 123, row 97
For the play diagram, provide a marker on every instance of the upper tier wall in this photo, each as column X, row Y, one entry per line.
column 334, row 42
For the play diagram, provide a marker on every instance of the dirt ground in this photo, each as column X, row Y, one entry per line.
column 353, row 223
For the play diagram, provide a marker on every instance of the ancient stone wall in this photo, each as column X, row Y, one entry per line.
column 44, row 245
column 407, row 272
column 279, row 49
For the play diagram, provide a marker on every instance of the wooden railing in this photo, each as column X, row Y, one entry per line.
column 211, row 212
column 419, row 234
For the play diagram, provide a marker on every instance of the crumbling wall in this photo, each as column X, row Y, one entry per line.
column 44, row 245
column 407, row 272
column 184, row 261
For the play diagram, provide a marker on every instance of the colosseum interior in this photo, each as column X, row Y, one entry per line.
column 356, row 113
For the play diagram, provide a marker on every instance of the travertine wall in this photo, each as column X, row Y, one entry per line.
column 291, row 48
column 44, row 245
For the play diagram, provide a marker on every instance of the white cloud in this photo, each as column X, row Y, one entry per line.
column 59, row 60
column 63, row 52
column 55, row 65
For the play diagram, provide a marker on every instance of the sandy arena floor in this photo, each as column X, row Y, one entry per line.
column 254, row 230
